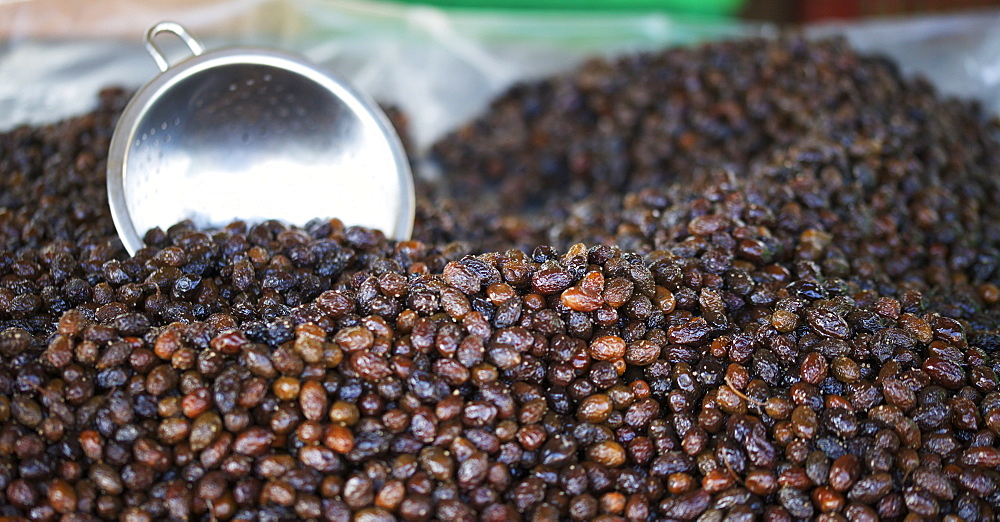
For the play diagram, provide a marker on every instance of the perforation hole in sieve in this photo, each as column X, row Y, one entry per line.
column 263, row 102
column 147, row 157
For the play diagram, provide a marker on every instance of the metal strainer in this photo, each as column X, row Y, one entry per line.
column 253, row 134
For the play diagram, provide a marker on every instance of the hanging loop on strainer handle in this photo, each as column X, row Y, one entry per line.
column 170, row 27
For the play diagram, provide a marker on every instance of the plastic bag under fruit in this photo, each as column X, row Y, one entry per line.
column 441, row 67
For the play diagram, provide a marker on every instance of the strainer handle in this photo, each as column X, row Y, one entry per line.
column 170, row 27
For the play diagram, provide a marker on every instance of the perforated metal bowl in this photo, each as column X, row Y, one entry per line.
column 253, row 134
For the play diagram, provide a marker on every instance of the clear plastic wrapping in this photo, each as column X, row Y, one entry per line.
column 441, row 67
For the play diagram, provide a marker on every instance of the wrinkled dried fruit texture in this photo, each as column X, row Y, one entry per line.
column 752, row 278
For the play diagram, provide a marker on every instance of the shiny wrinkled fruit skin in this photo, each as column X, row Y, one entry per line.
column 749, row 349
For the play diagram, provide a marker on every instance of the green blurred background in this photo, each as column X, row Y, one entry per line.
column 780, row 11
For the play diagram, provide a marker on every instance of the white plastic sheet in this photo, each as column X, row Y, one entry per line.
column 441, row 67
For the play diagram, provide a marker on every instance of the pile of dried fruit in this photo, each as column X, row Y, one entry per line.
column 799, row 319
